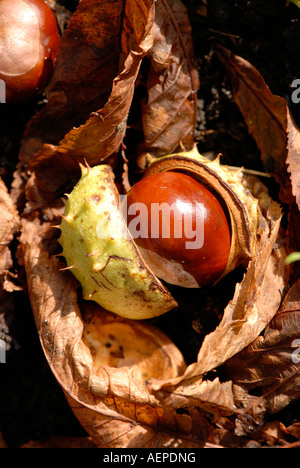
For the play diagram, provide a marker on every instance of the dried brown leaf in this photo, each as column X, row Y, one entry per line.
column 293, row 234
column 212, row 396
column 91, row 55
column 265, row 115
column 103, row 133
column 294, row 430
column 169, row 115
column 9, row 225
column 98, row 138
column 270, row 123
column 293, row 157
column 266, row 373
column 100, row 360
column 272, row 434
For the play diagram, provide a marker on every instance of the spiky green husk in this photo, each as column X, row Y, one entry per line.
column 101, row 254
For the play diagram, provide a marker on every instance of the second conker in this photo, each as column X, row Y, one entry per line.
column 180, row 228
column 29, row 40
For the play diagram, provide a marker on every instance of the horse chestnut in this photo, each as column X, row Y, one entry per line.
column 29, row 40
column 180, row 228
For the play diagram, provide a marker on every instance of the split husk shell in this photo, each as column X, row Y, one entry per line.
column 102, row 255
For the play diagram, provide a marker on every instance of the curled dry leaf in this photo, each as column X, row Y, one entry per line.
column 265, row 115
column 270, row 123
column 100, row 360
column 110, row 121
column 266, row 374
column 102, row 41
column 9, row 225
column 169, row 115
column 293, row 158
column 54, row 150
column 293, row 233
column 98, row 138
column 275, row 434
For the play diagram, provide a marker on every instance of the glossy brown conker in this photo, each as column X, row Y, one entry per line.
column 180, row 228
column 29, row 40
